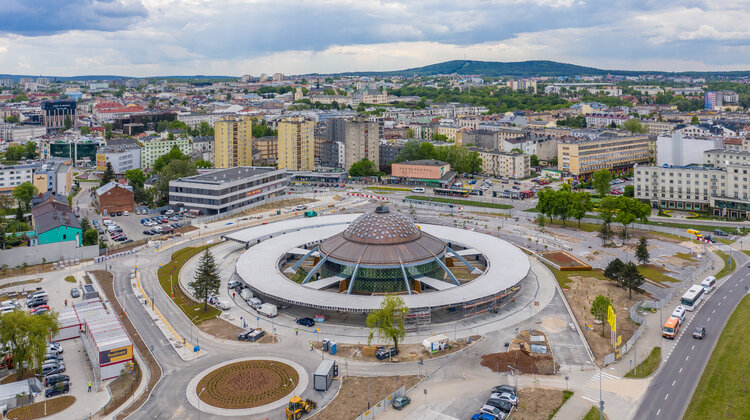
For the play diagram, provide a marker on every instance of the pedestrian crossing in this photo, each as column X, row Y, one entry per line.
column 591, row 391
column 604, row 375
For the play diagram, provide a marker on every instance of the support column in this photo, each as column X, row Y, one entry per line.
column 310, row 274
column 351, row 280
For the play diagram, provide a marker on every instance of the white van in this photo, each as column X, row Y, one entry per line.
column 418, row 190
column 708, row 284
column 223, row 305
column 679, row 312
column 246, row 294
column 268, row 309
column 254, row 302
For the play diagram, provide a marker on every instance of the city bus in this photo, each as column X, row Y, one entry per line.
column 453, row 192
column 692, row 297
column 671, row 327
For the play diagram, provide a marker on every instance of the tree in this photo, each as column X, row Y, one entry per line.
column 629, row 210
column 135, row 177
column 695, row 120
column 14, row 153
column 206, row 281
column 439, row 137
column 629, row 191
column 553, row 161
column 540, row 221
column 409, row 133
column 614, row 270
column 601, row 181
column 85, row 130
column 605, row 232
column 533, row 160
column 364, row 167
column 29, row 150
column 600, row 308
column 631, row 279
column 388, row 320
column 90, row 237
column 174, row 154
column 85, row 224
column 108, row 131
column 26, row 334
column 634, row 125
column 580, row 204
column 109, row 174
column 68, row 123
column 175, row 169
column 641, row 251
column 2, row 236
column 200, row 163
column 12, row 119
column 24, row 193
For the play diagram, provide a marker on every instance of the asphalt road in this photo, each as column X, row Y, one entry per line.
column 671, row 390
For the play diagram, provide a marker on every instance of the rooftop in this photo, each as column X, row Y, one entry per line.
column 221, row 176
column 423, row 162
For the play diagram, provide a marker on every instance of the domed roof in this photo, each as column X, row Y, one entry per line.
column 382, row 227
column 382, row 238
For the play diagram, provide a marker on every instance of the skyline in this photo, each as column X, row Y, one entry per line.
column 140, row 38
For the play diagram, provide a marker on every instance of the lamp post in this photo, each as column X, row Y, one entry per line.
column 200, row 405
column 192, row 327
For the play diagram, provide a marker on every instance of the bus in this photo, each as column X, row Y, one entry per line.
column 452, row 192
column 692, row 297
column 671, row 327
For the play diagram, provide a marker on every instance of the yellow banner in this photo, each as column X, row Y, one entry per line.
column 611, row 318
column 115, row 355
column 619, row 340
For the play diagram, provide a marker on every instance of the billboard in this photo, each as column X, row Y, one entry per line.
column 115, row 355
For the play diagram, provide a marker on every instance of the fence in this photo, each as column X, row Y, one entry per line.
column 381, row 405
column 61, row 251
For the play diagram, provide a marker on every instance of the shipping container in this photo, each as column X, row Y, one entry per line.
column 323, row 376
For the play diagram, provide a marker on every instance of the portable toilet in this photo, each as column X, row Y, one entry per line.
column 325, row 344
column 332, row 347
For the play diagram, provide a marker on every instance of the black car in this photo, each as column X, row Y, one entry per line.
column 74, row 293
column 51, row 380
column 307, row 322
column 119, row 213
column 59, row 389
column 36, row 302
column 505, row 388
column 504, row 406
column 384, row 353
column 148, row 232
column 699, row 332
column 52, row 356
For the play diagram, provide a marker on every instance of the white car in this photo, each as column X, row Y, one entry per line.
column 54, row 348
column 300, row 207
column 125, row 213
column 505, row 396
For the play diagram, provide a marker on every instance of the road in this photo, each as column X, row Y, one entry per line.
column 670, row 391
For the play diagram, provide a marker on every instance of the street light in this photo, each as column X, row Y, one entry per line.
column 199, row 402
column 192, row 327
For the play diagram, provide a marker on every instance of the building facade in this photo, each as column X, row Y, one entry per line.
column 296, row 144
column 155, row 148
column 54, row 114
column 17, row 133
column 265, row 150
column 12, row 176
column 223, row 190
column 501, row 164
column 123, row 158
column 233, row 142
column 114, row 197
column 681, row 151
column 584, row 156
column 426, row 169
column 361, row 141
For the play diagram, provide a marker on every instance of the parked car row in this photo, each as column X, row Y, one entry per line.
column 161, row 230
column 503, row 399
column 115, row 232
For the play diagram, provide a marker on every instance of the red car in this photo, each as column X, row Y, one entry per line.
column 32, row 310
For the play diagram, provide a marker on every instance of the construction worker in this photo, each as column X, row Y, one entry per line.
column 311, row 346
column 66, row 302
column 296, row 331
column 89, row 386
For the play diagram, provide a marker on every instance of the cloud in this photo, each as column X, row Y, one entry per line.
column 44, row 17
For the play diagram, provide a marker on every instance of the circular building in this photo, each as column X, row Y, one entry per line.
column 382, row 252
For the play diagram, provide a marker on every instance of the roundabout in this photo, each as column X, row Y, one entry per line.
column 247, row 386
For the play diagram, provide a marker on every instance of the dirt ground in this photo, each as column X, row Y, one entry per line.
column 248, row 384
column 14, row 378
column 537, row 403
column 37, row 410
column 407, row 352
column 525, row 362
column 121, row 389
column 581, row 292
column 352, row 398
column 223, row 329
column 271, row 206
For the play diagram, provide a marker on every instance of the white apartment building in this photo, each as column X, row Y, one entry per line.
column 680, row 150
column 499, row 164
column 13, row 175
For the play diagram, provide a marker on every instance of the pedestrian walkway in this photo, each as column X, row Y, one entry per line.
column 575, row 408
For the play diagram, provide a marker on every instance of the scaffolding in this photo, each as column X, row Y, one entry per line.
column 418, row 320
column 489, row 304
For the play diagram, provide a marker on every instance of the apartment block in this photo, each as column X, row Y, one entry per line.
column 233, row 140
column 296, row 144
column 13, row 175
column 154, row 149
column 501, row 164
column 265, row 150
column 122, row 157
column 583, row 156
column 361, row 141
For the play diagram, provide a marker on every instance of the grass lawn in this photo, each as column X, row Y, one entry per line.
column 722, row 392
column 704, row 228
column 655, row 273
column 566, row 397
column 647, row 366
column 725, row 241
column 172, row 269
column 460, row 202
column 729, row 265
column 685, row 256
column 593, row 414
column 586, row 227
column 746, row 252
column 563, row 277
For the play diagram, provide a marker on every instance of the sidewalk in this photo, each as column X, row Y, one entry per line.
column 575, row 408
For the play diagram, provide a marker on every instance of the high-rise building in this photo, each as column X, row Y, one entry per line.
column 296, row 145
column 361, row 141
column 233, row 139
column 54, row 114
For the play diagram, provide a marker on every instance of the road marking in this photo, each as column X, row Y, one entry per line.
column 714, row 311
column 680, row 370
column 719, row 304
column 709, row 318
column 692, row 348
column 730, row 290
column 725, row 298
column 666, row 396
column 687, row 357
column 674, row 382
column 658, row 411
column 590, row 399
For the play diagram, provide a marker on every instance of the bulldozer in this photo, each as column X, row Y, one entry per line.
column 297, row 407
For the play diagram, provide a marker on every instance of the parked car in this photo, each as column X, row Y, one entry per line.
column 36, row 302
column 53, row 379
column 384, row 353
column 719, row 232
column 505, row 388
column 401, row 402
column 119, row 213
column 126, row 213
column 482, row 416
column 495, row 412
column 59, row 389
column 121, row 238
column 307, row 322
column 699, row 332
column 505, row 396
column 233, row 284
column 49, row 369
column 148, row 232
column 50, row 356
column 54, row 348
column 504, row 406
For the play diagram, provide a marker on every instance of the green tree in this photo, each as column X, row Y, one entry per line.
column 629, row 191
column 579, row 121
column 24, row 193
column 634, row 125
column 135, row 177
column 695, row 120
column 27, row 334
column 85, row 224
column 631, row 279
column 108, row 132
column 2, row 236
column 174, row 154
column 364, row 167
column 605, row 233
column 533, row 160
column 29, row 150
column 540, row 221
column 580, row 204
column 641, row 251
column 12, row 119
column 206, row 281
column 68, row 123
column 439, row 137
column 410, row 151
column 14, row 153
column 109, row 174
column 175, row 169
column 600, row 308
column 614, row 270
column 388, row 321
column 200, row 163
column 90, row 237
column 409, row 133
column 629, row 210
column 601, row 181
column 85, row 130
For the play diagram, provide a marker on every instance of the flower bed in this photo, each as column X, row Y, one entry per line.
column 247, row 384
column 562, row 260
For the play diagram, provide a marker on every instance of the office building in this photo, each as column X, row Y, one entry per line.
column 583, row 156
column 17, row 133
column 508, row 165
column 296, row 144
column 55, row 176
column 233, row 141
column 361, row 141
column 54, row 114
column 222, row 190
column 122, row 157
column 156, row 147
column 481, row 139
column 81, row 151
column 679, row 150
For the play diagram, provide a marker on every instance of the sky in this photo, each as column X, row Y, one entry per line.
column 141, row 38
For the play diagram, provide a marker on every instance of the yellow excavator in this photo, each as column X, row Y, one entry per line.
column 297, row 407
